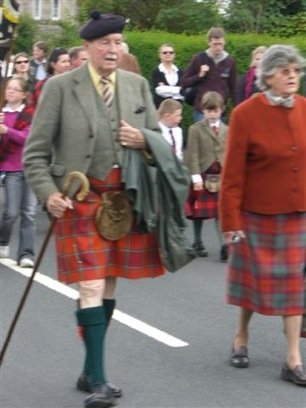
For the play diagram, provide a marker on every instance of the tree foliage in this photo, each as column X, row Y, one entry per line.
column 265, row 16
column 26, row 32
column 171, row 15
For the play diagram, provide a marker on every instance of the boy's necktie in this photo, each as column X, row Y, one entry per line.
column 173, row 146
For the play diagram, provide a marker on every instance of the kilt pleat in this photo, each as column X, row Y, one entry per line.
column 82, row 254
column 266, row 270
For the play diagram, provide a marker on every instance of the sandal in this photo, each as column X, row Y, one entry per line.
column 239, row 357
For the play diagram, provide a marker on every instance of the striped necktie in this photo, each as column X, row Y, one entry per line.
column 107, row 94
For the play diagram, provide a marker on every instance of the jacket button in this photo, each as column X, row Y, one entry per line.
column 294, row 148
column 90, row 136
column 295, row 169
column 88, row 156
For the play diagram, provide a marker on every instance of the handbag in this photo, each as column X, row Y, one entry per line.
column 212, row 182
column 190, row 94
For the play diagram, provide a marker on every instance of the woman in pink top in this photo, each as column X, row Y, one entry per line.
column 20, row 200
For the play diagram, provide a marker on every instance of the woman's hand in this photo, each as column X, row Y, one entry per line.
column 3, row 129
column 232, row 237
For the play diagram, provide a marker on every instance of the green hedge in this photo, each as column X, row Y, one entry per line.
column 145, row 46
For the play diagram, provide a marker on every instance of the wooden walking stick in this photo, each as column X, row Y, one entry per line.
column 80, row 196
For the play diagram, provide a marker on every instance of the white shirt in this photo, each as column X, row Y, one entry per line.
column 178, row 138
column 171, row 90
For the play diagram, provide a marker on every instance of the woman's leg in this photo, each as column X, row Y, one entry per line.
column 242, row 333
column 27, row 223
column 13, row 197
column 292, row 329
column 239, row 356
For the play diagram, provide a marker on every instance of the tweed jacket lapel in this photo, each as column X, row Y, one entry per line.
column 85, row 94
column 221, row 133
column 124, row 91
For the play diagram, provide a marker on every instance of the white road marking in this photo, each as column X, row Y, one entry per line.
column 121, row 317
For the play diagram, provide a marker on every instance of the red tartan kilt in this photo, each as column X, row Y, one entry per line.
column 266, row 271
column 82, row 254
column 201, row 204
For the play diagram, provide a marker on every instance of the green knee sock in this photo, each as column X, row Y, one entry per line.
column 94, row 323
column 109, row 306
column 197, row 230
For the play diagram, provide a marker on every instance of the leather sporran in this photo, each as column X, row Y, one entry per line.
column 212, row 182
column 114, row 217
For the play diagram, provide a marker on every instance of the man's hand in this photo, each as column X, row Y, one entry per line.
column 131, row 137
column 57, row 205
column 203, row 70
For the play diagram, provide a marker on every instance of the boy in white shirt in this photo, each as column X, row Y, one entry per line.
column 170, row 116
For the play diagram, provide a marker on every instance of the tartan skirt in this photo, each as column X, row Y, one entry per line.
column 82, row 254
column 203, row 204
column 266, row 270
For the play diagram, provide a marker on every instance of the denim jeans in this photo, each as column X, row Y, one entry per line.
column 19, row 201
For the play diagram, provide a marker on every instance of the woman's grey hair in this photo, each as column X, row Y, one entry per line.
column 275, row 57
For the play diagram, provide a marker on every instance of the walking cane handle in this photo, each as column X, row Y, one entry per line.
column 73, row 176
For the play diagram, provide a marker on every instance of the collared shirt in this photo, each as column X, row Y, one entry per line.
column 171, row 76
column 96, row 79
column 178, row 138
column 7, row 108
column 215, row 124
column 41, row 70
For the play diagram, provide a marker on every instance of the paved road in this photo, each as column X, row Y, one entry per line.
column 45, row 355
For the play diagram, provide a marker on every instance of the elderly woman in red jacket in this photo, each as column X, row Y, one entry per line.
column 263, row 206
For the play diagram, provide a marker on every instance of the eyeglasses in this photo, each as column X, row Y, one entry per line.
column 167, row 52
column 11, row 88
column 22, row 62
column 287, row 71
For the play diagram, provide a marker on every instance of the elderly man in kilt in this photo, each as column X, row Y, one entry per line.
column 89, row 120
column 263, row 206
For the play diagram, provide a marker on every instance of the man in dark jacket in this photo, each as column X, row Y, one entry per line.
column 212, row 70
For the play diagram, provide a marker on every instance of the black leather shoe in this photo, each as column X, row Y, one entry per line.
column 101, row 398
column 224, row 253
column 84, row 384
column 295, row 375
column 240, row 358
column 200, row 249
